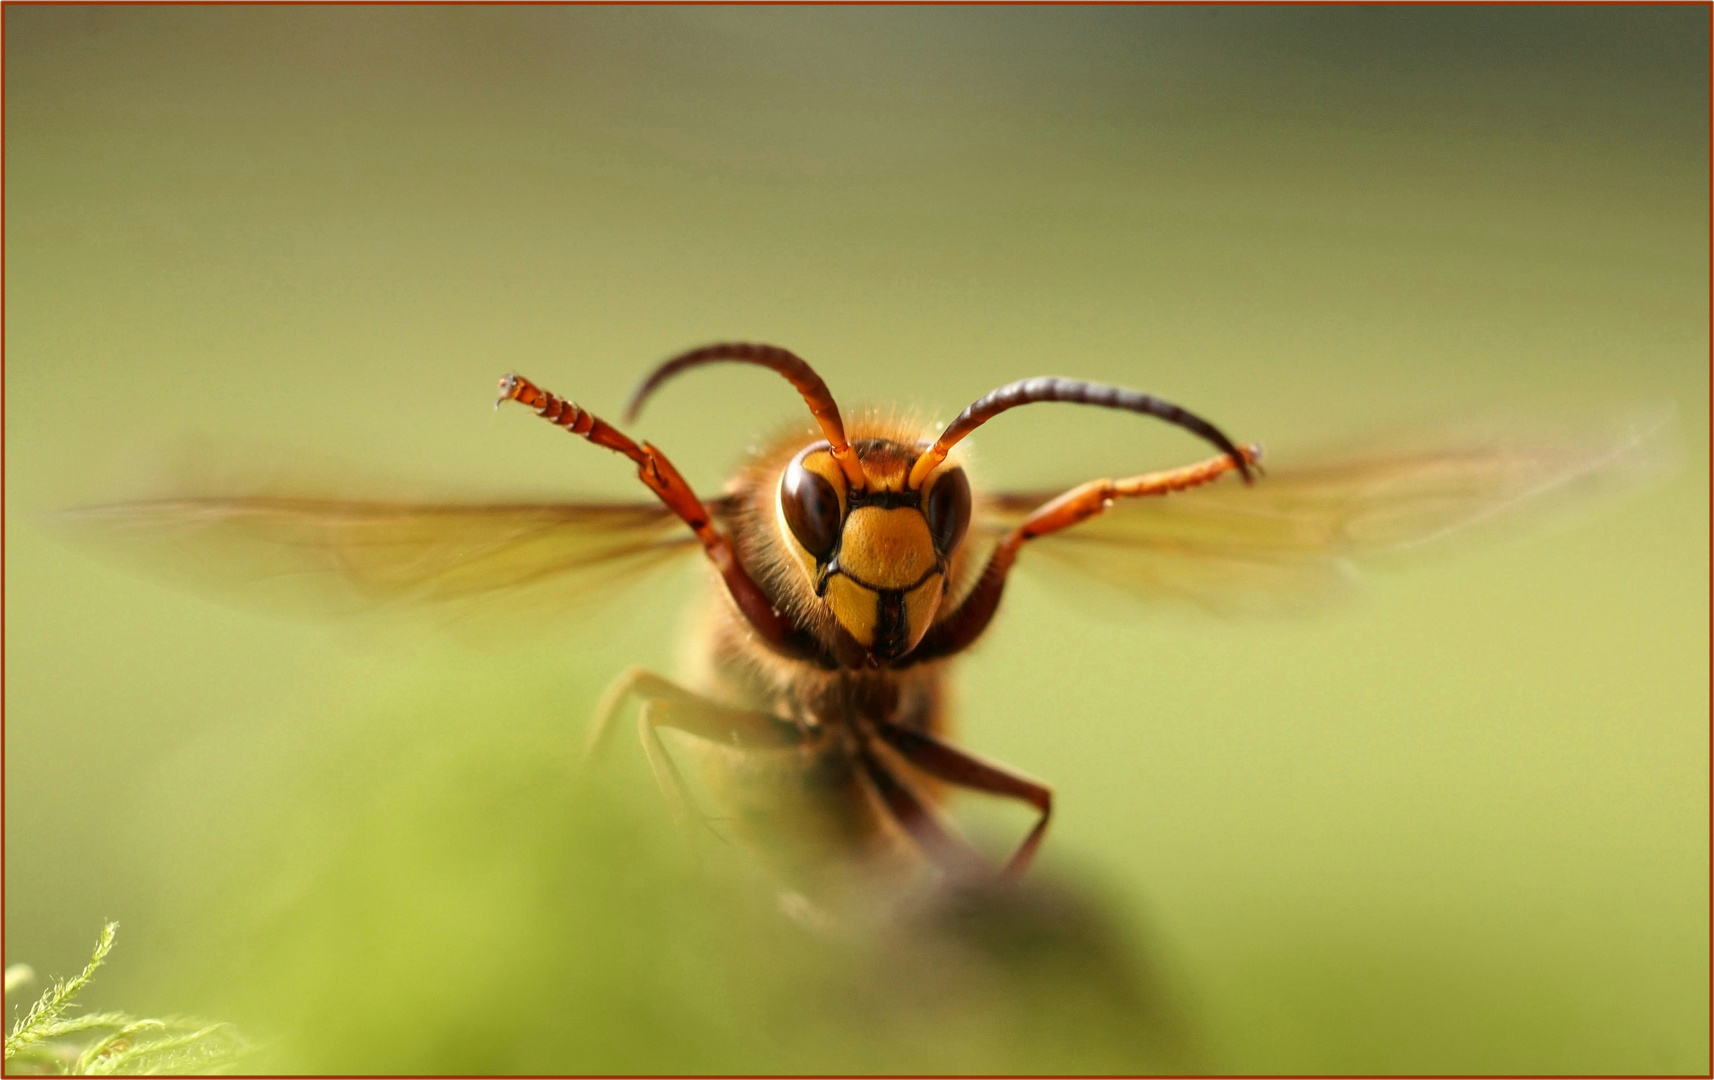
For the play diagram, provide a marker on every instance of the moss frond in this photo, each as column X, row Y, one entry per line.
column 122, row 1043
column 52, row 1004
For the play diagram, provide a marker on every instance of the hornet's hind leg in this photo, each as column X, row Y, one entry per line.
column 666, row 704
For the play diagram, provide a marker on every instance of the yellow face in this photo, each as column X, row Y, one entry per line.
column 877, row 557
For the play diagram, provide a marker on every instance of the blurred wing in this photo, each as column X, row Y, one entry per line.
column 1298, row 534
column 329, row 555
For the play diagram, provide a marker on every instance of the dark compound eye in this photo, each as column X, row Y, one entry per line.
column 812, row 510
column 949, row 510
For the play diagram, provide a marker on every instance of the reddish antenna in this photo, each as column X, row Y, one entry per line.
column 795, row 369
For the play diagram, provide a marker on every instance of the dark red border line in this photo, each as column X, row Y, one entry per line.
column 847, row 3
column 854, row 3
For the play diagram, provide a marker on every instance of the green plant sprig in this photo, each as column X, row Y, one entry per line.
column 124, row 1043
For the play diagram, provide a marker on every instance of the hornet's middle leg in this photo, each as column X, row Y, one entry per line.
column 667, row 704
column 954, row 766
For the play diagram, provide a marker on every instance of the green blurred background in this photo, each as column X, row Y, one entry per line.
column 1461, row 825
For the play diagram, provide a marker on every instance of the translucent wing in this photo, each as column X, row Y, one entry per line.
column 325, row 556
column 1297, row 536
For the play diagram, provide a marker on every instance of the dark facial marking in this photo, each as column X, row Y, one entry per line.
column 886, row 500
column 890, row 627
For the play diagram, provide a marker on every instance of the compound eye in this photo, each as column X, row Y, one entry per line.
column 949, row 510
column 812, row 510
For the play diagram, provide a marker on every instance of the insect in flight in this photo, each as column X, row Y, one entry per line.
column 853, row 563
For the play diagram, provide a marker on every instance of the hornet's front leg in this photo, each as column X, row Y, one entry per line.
column 958, row 630
column 658, row 474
